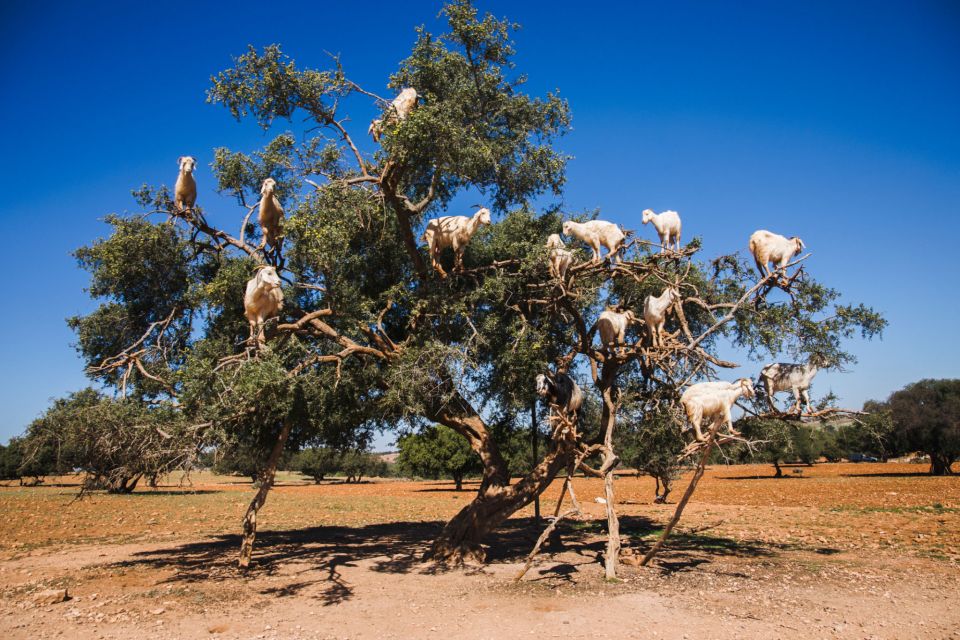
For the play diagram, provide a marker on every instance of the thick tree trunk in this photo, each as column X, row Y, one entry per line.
column 266, row 482
column 940, row 464
column 457, row 414
column 776, row 465
column 123, row 484
column 458, row 480
column 460, row 540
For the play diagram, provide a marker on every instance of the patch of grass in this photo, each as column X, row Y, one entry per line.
column 934, row 509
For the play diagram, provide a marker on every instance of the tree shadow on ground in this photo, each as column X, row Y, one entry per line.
column 468, row 487
column 786, row 476
column 186, row 491
column 905, row 474
column 311, row 558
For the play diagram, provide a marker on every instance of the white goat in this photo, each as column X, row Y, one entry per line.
column 655, row 310
column 454, row 232
column 560, row 257
column 796, row 378
column 613, row 325
column 668, row 227
column 398, row 111
column 262, row 300
column 712, row 401
column 185, row 190
column 769, row 247
column 271, row 215
column 596, row 234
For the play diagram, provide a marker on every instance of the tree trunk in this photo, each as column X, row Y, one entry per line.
column 266, row 482
column 123, row 484
column 776, row 465
column 458, row 479
column 940, row 464
column 460, row 540
column 497, row 499
column 608, row 419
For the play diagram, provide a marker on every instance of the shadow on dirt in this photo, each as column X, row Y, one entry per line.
column 905, row 474
column 311, row 558
column 468, row 488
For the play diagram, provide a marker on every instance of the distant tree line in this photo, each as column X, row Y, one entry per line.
column 116, row 443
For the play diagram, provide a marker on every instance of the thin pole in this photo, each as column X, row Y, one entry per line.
column 533, row 446
column 711, row 441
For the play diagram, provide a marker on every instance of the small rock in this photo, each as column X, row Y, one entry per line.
column 51, row 596
column 158, row 612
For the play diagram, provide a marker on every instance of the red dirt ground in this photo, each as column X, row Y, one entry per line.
column 836, row 550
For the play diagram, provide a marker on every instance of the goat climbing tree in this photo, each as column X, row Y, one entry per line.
column 369, row 334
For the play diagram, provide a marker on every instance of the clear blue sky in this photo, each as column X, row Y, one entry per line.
column 838, row 122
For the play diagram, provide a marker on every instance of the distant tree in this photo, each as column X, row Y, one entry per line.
column 10, row 460
column 16, row 464
column 240, row 460
column 316, row 462
column 357, row 463
column 786, row 441
column 115, row 442
column 437, row 452
column 652, row 447
column 873, row 433
column 926, row 416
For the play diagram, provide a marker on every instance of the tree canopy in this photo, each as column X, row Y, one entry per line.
column 926, row 417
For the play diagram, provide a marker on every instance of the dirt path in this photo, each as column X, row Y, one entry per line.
column 191, row 591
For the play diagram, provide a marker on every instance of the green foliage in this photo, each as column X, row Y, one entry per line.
column 787, row 441
column 143, row 271
column 18, row 462
column 475, row 127
column 356, row 464
column 926, row 416
column 115, row 442
column 316, row 462
column 437, row 452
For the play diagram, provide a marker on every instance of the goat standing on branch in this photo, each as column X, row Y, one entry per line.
column 262, row 300
column 561, row 391
column 612, row 325
column 270, row 216
column 454, row 232
column 397, row 112
column 768, row 247
column 712, row 401
column 655, row 310
column 668, row 227
column 796, row 378
column 596, row 234
column 185, row 190
column 560, row 257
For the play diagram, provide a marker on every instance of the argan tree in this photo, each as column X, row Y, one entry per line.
column 926, row 417
column 369, row 334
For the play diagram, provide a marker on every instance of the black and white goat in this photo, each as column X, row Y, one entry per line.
column 561, row 392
